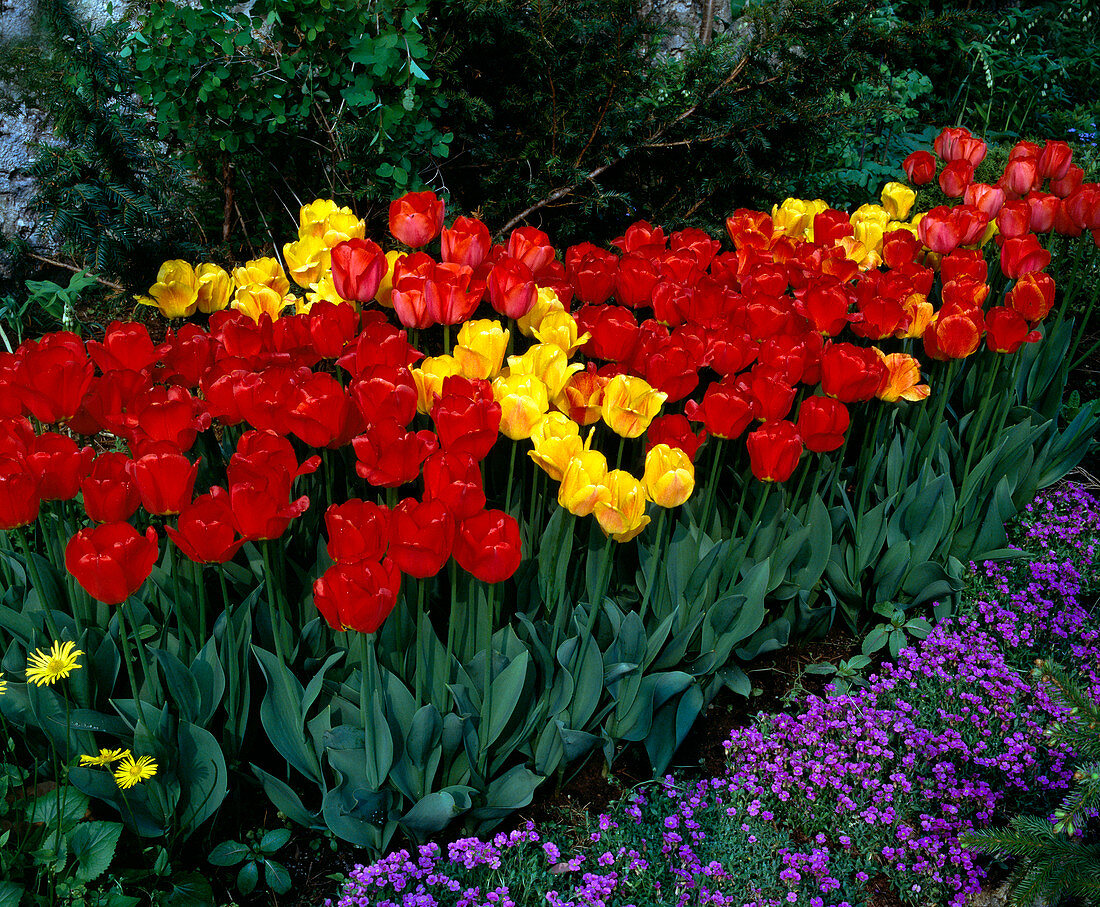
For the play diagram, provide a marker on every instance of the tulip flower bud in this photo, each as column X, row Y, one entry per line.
column 669, row 477
column 774, row 450
column 358, row 266
column 621, row 514
column 416, row 218
column 629, row 405
column 920, row 168
column 583, row 483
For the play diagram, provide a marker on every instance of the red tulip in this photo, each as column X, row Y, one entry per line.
column 822, row 422
column 1021, row 176
column 358, row 267
column 1006, row 330
column 59, row 465
column 110, row 495
column 729, row 351
column 532, row 247
column 1032, row 296
column 726, row 410
column 186, row 355
column 165, row 479
column 512, row 290
column 772, row 395
column 53, row 375
column 409, row 298
column 635, row 280
column 112, row 561
column 850, row 373
column 987, row 199
column 1083, row 206
column 168, row 414
column 454, row 479
column 19, row 501
column 642, row 238
column 964, row 263
column 488, row 546
column 1068, row 184
column 955, row 177
column 320, row 412
column 416, row 218
column 1044, row 208
column 450, row 293
column 389, row 456
column 826, row 306
column 675, row 431
column 1022, row 255
column 946, row 144
column 1014, row 219
column 378, row 343
column 592, row 272
column 126, row 345
column 422, row 537
column 384, row 392
column 920, row 168
column 357, row 596
column 206, row 531
column 955, row 333
column 613, row 328
column 900, row 247
column 1055, row 160
column 466, row 417
column 753, row 229
column 466, row 242
column 357, row 530
column 774, row 450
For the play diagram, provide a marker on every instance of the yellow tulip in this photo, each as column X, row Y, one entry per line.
column 869, row 233
column 342, row 225
column 428, row 378
column 480, row 349
column 307, row 260
column 902, row 378
column 545, row 361
column 795, row 217
column 385, row 289
column 557, row 440
column 215, row 288
column 256, row 300
column 622, row 514
column 546, row 301
column 864, row 256
column 176, row 292
column 583, row 483
column 897, row 198
column 629, row 405
column 523, row 402
column 874, row 214
column 560, row 329
column 669, row 476
column 263, row 272
column 920, row 313
column 311, row 218
column 324, row 290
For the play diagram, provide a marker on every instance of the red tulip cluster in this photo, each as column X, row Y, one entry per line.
column 774, row 340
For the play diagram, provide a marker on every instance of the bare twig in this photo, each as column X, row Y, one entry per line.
column 71, row 267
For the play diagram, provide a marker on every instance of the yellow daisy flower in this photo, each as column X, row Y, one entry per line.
column 105, row 757
column 44, row 670
column 132, row 771
column 3, row 685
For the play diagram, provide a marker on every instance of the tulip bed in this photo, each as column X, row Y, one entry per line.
column 438, row 526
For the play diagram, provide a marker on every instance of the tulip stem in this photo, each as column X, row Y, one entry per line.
column 511, row 470
column 124, row 617
column 651, row 568
column 200, row 591
column 446, row 339
column 418, row 642
column 36, row 581
column 272, row 604
column 486, row 688
column 710, row 500
column 452, row 617
column 368, row 670
column 978, row 420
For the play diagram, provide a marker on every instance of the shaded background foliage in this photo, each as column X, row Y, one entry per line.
column 197, row 131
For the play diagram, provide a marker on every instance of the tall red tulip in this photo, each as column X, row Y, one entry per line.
column 488, row 547
column 111, row 561
column 358, row 266
column 774, row 449
column 358, row 595
column 416, row 218
column 422, row 537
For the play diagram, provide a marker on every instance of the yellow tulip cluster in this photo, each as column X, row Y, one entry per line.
column 181, row 290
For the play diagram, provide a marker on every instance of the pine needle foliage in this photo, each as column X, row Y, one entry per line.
column 1059, row 860
column 573, row 102
column 112, row 200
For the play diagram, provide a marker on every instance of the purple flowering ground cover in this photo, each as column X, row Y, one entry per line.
column 840, row 798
